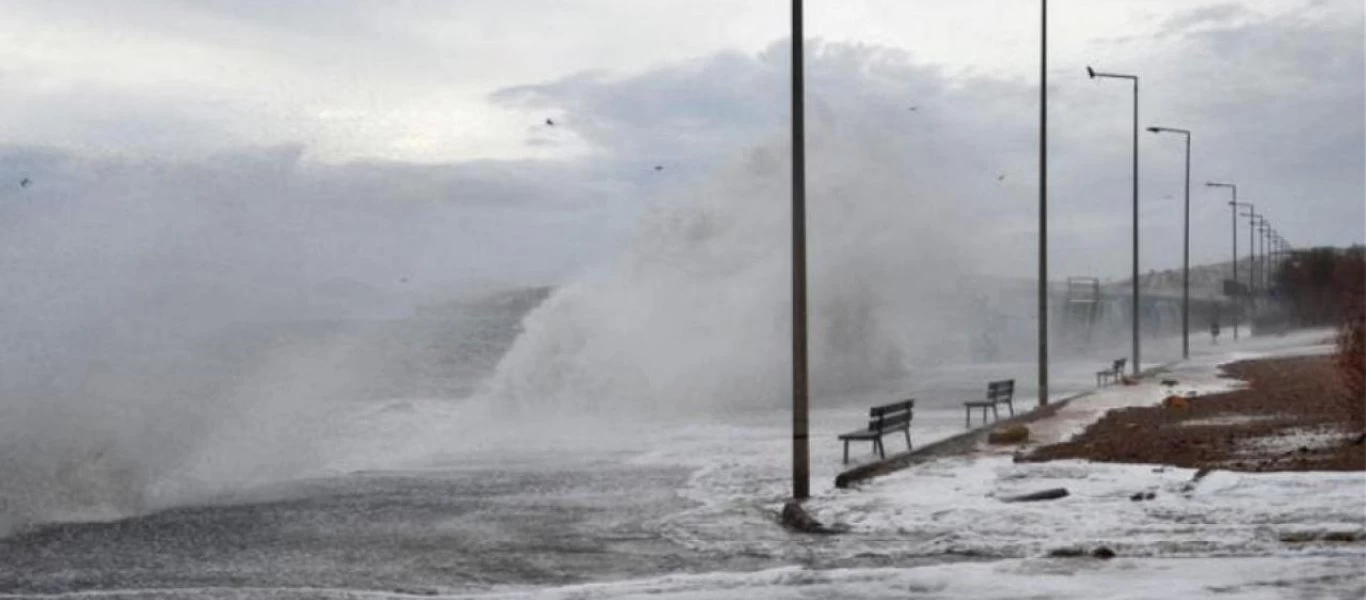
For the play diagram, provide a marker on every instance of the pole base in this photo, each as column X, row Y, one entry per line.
column 796, row 519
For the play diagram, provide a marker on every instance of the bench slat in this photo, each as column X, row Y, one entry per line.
column 1001, row 391
column 890, row 422
column 860, row 435
column 904, row 405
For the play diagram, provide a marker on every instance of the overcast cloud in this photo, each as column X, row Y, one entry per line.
column 414, row 131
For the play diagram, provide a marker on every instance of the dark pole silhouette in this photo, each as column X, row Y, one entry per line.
column 801, row 471
column 1251, row 215
column 1043, row 205
column 1260, row 240
column 1261, row 247
column 1233, row 214
column 1248, row 206
column 1185, row 247
column 1134, row 78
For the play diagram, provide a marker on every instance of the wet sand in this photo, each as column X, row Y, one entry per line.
column 1290, row 417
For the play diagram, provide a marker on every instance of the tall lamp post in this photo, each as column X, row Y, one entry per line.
column 1275, row 255
column 1134, row 78
column 1233, row 213
column 1185, row 247
column 1250, row 264
column 1251, row 215
column 801, row 471
column 1259, row 229
column 1258, row 257
column 1265, row 229
column 1043, row 204
column 1280, row 251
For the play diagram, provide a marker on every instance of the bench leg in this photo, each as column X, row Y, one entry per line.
column 995, row 415
column 881, row 452
column 967, row 417
column 846, row 452
column 908, row 439
column 1011, row 406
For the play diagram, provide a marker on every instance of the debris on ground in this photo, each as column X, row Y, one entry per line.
column 1049, row 494
column 1012, row 434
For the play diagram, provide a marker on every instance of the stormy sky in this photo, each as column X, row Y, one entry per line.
column 404, row 143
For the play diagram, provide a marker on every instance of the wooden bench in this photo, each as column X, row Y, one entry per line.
column 1113, row 373
column 883, row 420
column 998, row 392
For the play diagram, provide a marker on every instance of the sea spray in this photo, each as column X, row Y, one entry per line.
column 694, row 318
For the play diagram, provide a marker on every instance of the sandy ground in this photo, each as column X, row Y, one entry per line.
column 1291, row 416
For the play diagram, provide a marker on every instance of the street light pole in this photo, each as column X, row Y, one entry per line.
column 1277, row 253
column 1250, row 284
column 801, row 466
column 1258, row 230
column 1043, row 204
column 1134, row 78
column 1185, row 247
column 1280, row 251
column 1264, row 228
column 1233, row 214
column 1266, row 256
column 1251, row 215
column 1258, row 257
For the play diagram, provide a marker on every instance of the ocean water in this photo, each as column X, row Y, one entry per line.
column 414, row 480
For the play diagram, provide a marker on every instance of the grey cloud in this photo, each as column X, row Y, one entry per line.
column 1285, row 97
column 268, row 221
column 1216, row 14
column 1273, row 101
column 1274, row 104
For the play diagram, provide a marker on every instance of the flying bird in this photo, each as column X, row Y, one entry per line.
column 25, row 182
column 1000, row 178
column 914, row 108
column 550, row 122
column 659, row 167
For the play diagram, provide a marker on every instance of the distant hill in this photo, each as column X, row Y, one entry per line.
column 1206, row 281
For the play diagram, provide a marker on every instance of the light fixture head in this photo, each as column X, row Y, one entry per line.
column 1090, row 72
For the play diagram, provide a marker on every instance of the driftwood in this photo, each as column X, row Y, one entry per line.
column 1051, row 494
column 1100, row 552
